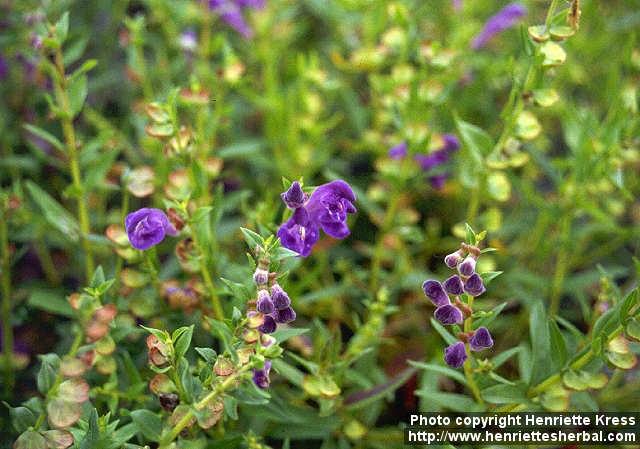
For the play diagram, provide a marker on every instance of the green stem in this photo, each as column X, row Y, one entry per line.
column 378, row 252
column 217, row 391
column 7, row 329
column 60, row 87
column 562, row 265
column 218, row 312
column 468, row 369
column 474, row 203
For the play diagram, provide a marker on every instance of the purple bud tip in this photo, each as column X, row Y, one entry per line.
column 451, row 143
column 260, row 276
column 507, row 17
column 285, row 315
column 474, row 285
column 449, row 314
column 438, row 181
column 264, row 303
column 399, row 151
column 481, row 339
column 269, row 326
column 147, row 227
column 452, row 260
column 294, row 197
column 435, row 292
column 467, row 267
column 454, row 285
column 455, row 355
column 280, row 298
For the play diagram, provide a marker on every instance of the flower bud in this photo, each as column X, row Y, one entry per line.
column 261, row 376
column 448, row 314
column 280, row 298
column 453, row 285
column 435, row 292
column 474, row 285
column 455, row 355
column 223, row 367
column 169, row 401
column 285, row 315
column 294, row 197
column 481, row 339
column 269, row 326
column 468, row 266
column 264, row 304
column 260, row 276
column 453, row 259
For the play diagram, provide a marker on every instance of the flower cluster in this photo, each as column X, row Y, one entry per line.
column 272, row 307
column 231, row 12
column 507, row 17
column 465, row 282
column 430, row 161
column 325, row 209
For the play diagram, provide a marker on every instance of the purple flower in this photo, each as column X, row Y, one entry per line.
column 264, row 303
column 147, row 227
column 468, row 266
column 455, row 355
column 231, row 13
column 474, row 285
column 399, row 151
column 453, row 285
column 327, row 208
column 448, row 314
column 481, row 339
column 260, row 276
column 280, row 298
column 451, row 143
column 452, row 260
column 507, row 17
column 298, row 233
column 285, row 315
column 429, row 161
column 261, row 376
column 437, row 181
column 294, row 197
column 435, row 292
column 329, row 205
column 269, row 326
column 188, row 40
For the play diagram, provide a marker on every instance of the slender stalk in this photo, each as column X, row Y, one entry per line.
column 468, row 369
column 66, row 119
column 218, row 312
column 7, row 330
column 562, row 265
column 217, row 391
column 378, row 252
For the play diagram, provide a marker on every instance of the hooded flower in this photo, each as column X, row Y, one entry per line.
column 147, row 227
column 294, row 197
column 261, row 376
column 298, row 233
column 448, row 314
column 453, row 285
column 481, row 339
column 455, row 355
column 474, row 285
column 326, row 209
column 435, row 292
column 231, row 12
column 507, row 17
column 450, row 144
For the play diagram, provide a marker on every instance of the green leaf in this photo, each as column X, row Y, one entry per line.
column 92, row 437
column 21, row 417
column 54, row 213
column 183, row 341
column 46, row 136
column 47, row 373
column 487, row 318
column 208, row 354
column 77, row 94
column 444, row 370
column 366, row 398
column 252, row 238
column 450, row 401
column 30, row 440
column 282, row 335
column 542, row 364
column 50, row 300
column 444, row 333
column 559, row 353
column 505, row 394
column 148, row 423
column 501, row 358
column 62, row 28
column 224, row 333
column 84, row 68
column 476, row 140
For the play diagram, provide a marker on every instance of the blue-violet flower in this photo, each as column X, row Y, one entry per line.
column 455, row 355
column 481, row 339
column 448, row 314
column 147, row 227
column 507, row 17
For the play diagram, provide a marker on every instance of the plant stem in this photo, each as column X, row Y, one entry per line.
column 378, row 252
column 218, row 312
column 562, row 265
column 218, row 390
column 468, row 370
column 7, row 329
column 66, row 119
